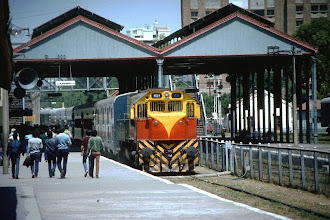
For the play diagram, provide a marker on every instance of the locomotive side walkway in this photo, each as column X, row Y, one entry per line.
column 120, row 193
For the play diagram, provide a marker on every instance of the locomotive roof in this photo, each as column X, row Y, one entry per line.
column 86, row 105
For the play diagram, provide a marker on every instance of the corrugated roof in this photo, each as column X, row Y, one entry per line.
column 96, row 24
column 71, row 14
column 211, row 18
column 245, row 17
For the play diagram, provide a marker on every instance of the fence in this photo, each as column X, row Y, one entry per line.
column 307, row 169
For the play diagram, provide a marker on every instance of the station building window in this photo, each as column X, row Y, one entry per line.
column 299, row 22
column 259, row 12
column 270, row 13
column 194, row 14
column 299, row 9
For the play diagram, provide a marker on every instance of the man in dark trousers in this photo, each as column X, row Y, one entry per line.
column 50, row 149
column 63, row 142
column 15, row 148
column 83, row 149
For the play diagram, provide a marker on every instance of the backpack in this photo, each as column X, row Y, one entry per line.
column 15, row 146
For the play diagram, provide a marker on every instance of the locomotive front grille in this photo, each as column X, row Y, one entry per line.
column 164, row 159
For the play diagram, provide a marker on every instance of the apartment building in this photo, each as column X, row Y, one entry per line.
column 149, row 34
column 286, row 14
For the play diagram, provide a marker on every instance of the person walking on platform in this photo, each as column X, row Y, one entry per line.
column 95, row 146
column 50, row 150
column 83, row 149
column 15, row 148
column 34, row 150
column 63, row 142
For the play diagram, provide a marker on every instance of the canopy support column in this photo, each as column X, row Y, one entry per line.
column 314, row 99
column 160, row 72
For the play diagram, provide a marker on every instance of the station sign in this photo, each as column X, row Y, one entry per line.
column 29, row 118
column 65, row 83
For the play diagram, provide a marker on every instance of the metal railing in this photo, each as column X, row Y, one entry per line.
column 307, row 169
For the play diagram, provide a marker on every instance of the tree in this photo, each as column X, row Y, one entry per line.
column 208, row 102
column 317, row 33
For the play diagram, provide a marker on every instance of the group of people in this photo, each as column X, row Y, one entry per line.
column 55, row 144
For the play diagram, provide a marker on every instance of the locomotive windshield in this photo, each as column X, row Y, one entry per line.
column 174, row 106
column 157, row 106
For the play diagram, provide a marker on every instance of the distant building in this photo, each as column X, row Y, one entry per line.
column 288, row 17
column 192, row 10
column 286, row 14
column 149, row 34
column 214, row 84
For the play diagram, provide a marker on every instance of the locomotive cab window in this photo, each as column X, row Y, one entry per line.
column 190, row 110
column 142, row 111
column 175, row 106
column 157, row 106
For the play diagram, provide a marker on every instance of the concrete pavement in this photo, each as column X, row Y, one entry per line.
column 121, row 192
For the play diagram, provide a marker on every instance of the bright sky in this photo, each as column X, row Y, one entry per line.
column 129, row 13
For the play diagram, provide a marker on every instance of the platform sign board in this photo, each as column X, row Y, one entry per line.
column 65, row 83
column 29, row 118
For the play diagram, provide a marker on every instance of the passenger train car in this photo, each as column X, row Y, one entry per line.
column 155, row 129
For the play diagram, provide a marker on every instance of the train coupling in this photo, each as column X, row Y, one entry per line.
column 169, row 153
column 147, row 152
column 191, row 151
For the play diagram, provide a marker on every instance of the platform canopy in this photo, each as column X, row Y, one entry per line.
column 83, row 44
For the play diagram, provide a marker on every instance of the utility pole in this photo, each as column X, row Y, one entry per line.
column 5, row 128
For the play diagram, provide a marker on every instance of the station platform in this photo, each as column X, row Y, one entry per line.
column 121, row 192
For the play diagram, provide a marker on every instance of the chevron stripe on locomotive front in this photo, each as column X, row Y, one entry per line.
column 181, row 156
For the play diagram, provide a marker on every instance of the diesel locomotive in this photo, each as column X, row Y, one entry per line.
column 155, row 129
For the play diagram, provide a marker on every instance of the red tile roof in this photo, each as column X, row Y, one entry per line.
column 311, row 105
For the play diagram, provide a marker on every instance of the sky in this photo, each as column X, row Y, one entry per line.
column 128, row 13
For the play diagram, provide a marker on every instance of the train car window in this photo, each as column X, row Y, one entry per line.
column 104, row 114
column 157, row 106
column 108, row 134
column 97, row 116
column 156, row 95
column 190, row 110
column 176, row 95
column 77, row 123
column 174, row 106
column 142, row 111
column 88, row 124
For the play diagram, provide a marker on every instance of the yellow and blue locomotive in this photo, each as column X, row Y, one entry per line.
column 155, row 129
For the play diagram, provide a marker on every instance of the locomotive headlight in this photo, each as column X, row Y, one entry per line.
column 180, row 122
column 156, row 123
column 166, row 96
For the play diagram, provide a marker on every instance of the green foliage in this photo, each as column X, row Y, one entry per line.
column 209, row 100
column 70, row 99
column 318, row 34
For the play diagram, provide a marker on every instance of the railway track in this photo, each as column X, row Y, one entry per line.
column 230, row 187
